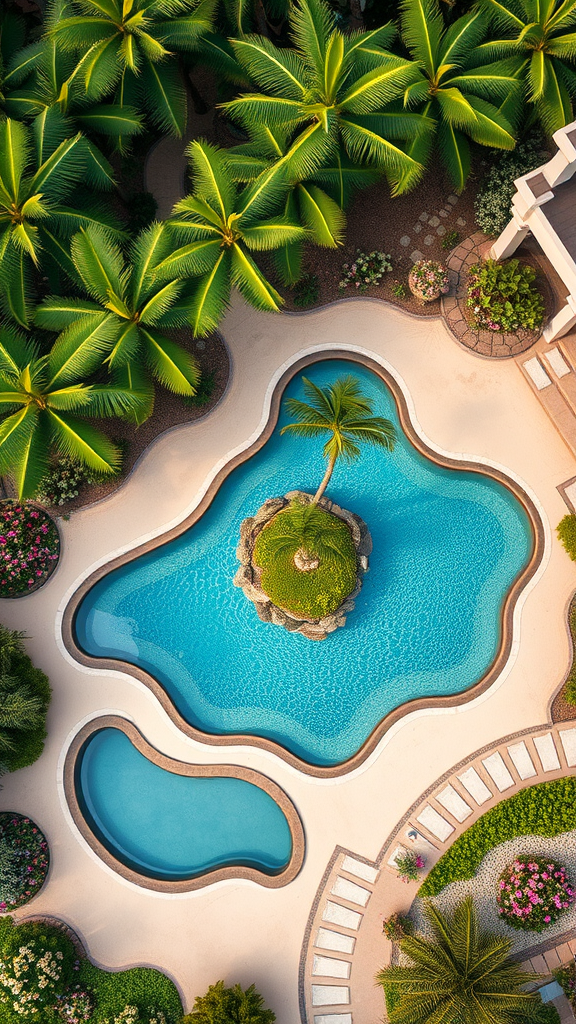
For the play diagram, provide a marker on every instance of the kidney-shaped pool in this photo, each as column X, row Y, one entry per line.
column 449, row 546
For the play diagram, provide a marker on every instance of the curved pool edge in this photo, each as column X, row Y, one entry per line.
column 409, row 707
column 185, row 768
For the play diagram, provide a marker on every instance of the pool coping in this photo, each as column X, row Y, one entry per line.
column 185, row 768
column 394, row 716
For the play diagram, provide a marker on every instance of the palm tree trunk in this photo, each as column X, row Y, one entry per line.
column 325, row 480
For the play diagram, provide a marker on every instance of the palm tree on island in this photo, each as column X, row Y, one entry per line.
column 343, row 412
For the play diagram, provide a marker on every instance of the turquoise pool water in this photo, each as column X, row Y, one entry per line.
column 173, row 826
column 448, row 544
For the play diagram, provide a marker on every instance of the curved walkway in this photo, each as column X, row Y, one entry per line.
column 343, row 945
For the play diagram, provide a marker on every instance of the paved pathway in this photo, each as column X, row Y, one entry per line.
column 344, row 946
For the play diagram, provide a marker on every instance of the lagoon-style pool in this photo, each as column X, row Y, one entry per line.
column 448, row 545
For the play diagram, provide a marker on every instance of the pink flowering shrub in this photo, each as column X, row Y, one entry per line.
column 24, row 860
column 428, row 279
column 29, row 548
column 533, row 892
column 367, row 269
column 75, row 1006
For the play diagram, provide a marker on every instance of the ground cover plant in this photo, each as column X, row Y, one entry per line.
column 24, row 699
column 533, row 892
column 29, row 548
column 308, row 561
column 43, row 979
column 502, row 296
column 566, row 977
column 493, row 203
column 367, row 269
column 547, row 809
column 566, row 531
column 24, row 860
column 62, row 481
column 460, row 973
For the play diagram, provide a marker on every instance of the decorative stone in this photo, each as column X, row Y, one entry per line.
column 417, row 229
column 405, row 240
column 423, row 217
column 248, row 575
column 433, row 222
column 201, row 344
column 443, row 213
column 416, row 255
column 452, row 200
column 429, row 239
column 461, row 222
column 441, row 230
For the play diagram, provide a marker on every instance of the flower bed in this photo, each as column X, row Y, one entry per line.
column 24, row 861
column 502, row 296
column 532, row 893
column 367, row 269
column 29, row 548
column 428, row 280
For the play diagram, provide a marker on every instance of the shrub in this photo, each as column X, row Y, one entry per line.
column 399, row 290
column 75, row 1006
column 492, row 207
column 396, row 927
column 367, row 269
column 23, row 742
column 36, row 966
column 223, row 1005
column 428, row 279
column 306, row 291
column 502, row 296
column 62, row 482
column 29, row 547
column 204, row 391
column 566, row 531
column 320, row 590
column 533, row 893
column 409, row 866
column 147, row 989
column 451, row 238
column 547, row 809
column 566, row 978
column 24, row 860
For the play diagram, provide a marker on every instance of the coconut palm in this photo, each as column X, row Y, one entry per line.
column 544, row 34
column 459, row 975
column 460, row 100
column 216, row 226
column 39, row 169
column 42, row 76
column 331, row 89
column 127, row 310
column 12, row 39
column 309, row 532
column 130, row 46
column 345, row 414
column 306, row 202
column 39, row 398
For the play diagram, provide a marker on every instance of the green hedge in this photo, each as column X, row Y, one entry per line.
column 547, row 809
column 566, row 531
column 143, row 987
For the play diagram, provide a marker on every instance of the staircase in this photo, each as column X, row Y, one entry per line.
column 550, row 370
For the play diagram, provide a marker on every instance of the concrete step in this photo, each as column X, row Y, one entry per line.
column 553, row 401
column 567, row 346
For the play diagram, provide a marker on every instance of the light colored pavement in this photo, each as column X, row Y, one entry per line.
column 237, row 930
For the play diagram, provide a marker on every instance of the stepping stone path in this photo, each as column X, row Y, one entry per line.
column 486, row 343
column 427, row 220
column 355, row 894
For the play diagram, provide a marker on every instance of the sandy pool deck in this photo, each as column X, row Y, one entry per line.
column 464, row 404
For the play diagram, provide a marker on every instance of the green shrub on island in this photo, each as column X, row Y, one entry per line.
column 547, row 809
column 308, row 560
column 502, row 296
column 229, row 1006
column 40, row 970
column 566, row 531
column 24, row 699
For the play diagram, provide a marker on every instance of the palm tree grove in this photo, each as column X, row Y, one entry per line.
column 287, row 344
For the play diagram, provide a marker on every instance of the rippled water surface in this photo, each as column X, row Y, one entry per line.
column 173, row 826
column 448, row 545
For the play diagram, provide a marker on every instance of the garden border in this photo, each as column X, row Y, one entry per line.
column 417, row 704
column 170, row 764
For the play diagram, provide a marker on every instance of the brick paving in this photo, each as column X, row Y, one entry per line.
column 485, row 343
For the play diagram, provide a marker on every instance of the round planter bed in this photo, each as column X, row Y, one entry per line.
column 29, row 547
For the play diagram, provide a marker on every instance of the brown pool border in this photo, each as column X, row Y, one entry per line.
column 200, row 771
column 418, row 703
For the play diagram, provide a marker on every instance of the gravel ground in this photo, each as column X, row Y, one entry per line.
column 482, row 887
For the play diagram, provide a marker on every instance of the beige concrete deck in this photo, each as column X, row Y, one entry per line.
column 237, row 930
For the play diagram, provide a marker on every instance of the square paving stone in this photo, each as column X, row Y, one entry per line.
column 416, row 255
column 441, row 230
column 433, row 222
column 452, row 200
column 405, row 240
column 429, row 239
column 443, row 213
column 417, row 229
column 552, row 959
column 539, row 965
column 423, row 217
column 461, row 222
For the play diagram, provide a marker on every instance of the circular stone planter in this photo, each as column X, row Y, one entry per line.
column 31, row 860
column 248, row 575
column 40, row 566
column 417, row 288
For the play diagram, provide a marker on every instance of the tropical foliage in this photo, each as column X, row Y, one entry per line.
column 343, row 412
column 24, row 699
column 29, row 548
column 503, row 296
column 458, row 974
column 24, row 860
column 543, row 36
column 331, row 91
column 533, row 892
column 459, row 98
column 229, row 1005
column 493, row 202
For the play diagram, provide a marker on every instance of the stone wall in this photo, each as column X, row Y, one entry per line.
column 248, row 575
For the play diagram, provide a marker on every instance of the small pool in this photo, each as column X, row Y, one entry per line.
column 448, row 545
column 172, row 827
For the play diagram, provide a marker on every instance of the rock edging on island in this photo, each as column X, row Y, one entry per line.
column 248, row 575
